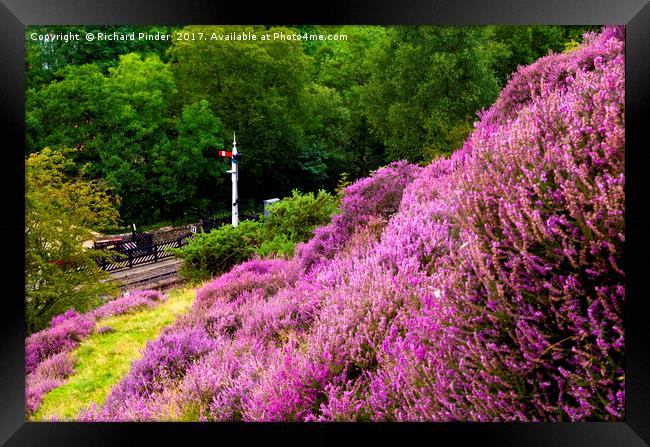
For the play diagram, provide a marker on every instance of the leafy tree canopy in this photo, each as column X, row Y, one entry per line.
column 427, row 84
column 147, row 116
column 61, row 208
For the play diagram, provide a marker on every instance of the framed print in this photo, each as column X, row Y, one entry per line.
column 367, row 219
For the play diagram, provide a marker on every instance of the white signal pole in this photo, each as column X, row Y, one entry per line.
column 235, row 174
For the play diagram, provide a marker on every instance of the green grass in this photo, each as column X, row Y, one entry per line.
column 102, row 360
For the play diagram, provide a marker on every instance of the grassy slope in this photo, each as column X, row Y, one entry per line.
column 102, row 360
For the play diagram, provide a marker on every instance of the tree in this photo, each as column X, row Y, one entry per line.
column 512, row 46
column 326, row 125
column 254, row 88
column 427, row 85
column 121, row 126
column 196, row 173
column 46, row 59
column 61, row 208
column 138, row 134
column 344, row 66
column 293, row 220
column 71, row 112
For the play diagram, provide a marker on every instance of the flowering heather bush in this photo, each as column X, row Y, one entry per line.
column 46, row 360
column 290, row 388
column 545, row 249
column 488, row 286
column 269, row 275
column 67, row 315
column 218, row 387
column 48, row 375
column 64, row 336
column 105, row 330
column 132, row 302
column 554, row 72
column 35, row 390
column 532, row 299
column 55, row 367
column 376, row 196
column 292, row 309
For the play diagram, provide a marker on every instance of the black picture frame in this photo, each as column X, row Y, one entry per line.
column 635, row 14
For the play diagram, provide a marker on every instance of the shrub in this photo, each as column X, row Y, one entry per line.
column 65, row 335
column 60, row 210
column 105, row 330
column 269, row 275
column 290, row 221
column 132, row 302
column 280, row 246
column 293, row 219
column 49, row 374
column 210, row 254
column 296, row 219
column 376, row 196
column 65, row 316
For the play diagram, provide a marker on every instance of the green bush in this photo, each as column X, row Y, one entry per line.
column 280, row 246
column 214, row 253
column 290, row 221
column 296, row 217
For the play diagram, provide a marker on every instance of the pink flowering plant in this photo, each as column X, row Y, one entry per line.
column 487, row 286
column 47, row 352
column 132, row 302
column 50, row 374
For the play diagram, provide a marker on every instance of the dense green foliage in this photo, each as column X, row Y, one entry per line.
column 290, row 221
column 216, row 252
column 121, row 125
column 427, row 84
column 46, row 59
column 148, row 115
column 61, row 208
column 293, row 220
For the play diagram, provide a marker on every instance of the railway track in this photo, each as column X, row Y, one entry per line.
column 150, row 276
column 155, row 279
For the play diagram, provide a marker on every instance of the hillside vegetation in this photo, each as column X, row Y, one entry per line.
column 126, row 134
column 486, row 286
column 77, row 360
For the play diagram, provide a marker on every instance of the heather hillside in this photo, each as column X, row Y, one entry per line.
column 79, row 357
column 132, row 132
column 486, row 286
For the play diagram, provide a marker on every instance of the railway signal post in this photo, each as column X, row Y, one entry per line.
column 234, row 172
